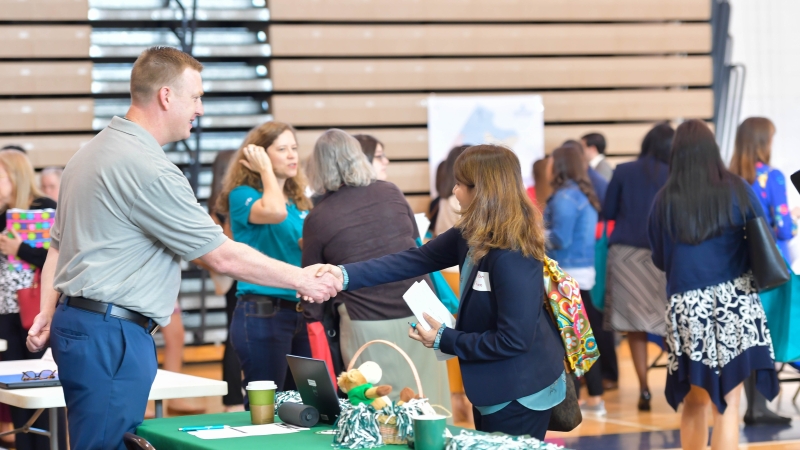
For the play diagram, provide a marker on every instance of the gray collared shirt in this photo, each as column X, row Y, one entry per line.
column 126, row 216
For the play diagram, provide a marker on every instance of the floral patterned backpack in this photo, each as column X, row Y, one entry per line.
column 565, row 304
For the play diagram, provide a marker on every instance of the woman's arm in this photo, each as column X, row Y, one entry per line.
column 519, row 289
column 271, row 207
column 562, row 222
column 32, row 255
column 440, row 253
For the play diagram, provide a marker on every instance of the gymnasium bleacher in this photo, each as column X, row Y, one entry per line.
column 613, row 66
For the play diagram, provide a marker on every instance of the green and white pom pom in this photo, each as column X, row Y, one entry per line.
column 469, row 440
column 286, row 397
column 357, row 428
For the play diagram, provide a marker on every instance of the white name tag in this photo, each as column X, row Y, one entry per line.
column 482, row 282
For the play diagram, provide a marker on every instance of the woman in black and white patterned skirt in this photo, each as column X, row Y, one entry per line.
column 716, row 328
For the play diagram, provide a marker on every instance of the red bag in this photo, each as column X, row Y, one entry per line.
column 29, row 301
column 319, row 346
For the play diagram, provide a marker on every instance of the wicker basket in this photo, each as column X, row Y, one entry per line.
column 388, row 424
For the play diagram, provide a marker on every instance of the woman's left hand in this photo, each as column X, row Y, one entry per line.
column 9, row 246
column 426, row 337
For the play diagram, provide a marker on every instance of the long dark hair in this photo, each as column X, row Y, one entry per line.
column 697, row 203
column 656, row 146
column 569, row 163
column 658, row 142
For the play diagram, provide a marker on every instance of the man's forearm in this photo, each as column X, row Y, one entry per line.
column 49, row 296
column 246, row 264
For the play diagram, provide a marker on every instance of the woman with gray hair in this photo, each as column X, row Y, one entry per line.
column 359, row 218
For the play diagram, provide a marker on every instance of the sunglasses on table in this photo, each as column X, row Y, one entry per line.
column 43, row 375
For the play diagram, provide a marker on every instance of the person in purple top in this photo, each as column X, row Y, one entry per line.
column 751, row 156
column 750, row 161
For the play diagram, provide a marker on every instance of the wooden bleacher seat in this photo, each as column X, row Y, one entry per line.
column 467, row 40
column 45, row 78
column 46, row 151
column 43, row 10
column 488, row 10
column 481, row 73
column 37, row 41
column 412, row 143
column 18, row 116
column 576, row 106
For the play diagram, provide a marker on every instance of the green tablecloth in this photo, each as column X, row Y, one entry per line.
column 164, row 434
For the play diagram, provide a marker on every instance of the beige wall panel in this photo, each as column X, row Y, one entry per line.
column 33, row 78
column 44, row 9
column 46, row 151
column 411, row 109
column 419, row 204
column 46, row 115
column 502, row 73
column 489, row 10
column 468, row 40
column 37, row 41
column 409, row 176
column 399, row 144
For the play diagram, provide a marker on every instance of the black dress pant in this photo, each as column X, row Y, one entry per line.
column 605, row 339
column 231, row 369
column 11, row 330
column 515, row 420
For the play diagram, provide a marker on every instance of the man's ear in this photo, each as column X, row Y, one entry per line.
column 165, row 96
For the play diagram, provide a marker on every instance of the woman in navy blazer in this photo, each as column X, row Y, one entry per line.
column 510, row 352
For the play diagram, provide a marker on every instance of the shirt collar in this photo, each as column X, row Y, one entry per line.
column 596, row 160
column 129, row 127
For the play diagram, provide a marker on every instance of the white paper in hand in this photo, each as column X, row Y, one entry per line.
column 421, row 299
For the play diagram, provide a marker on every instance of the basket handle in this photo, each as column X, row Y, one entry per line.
column 399, row 350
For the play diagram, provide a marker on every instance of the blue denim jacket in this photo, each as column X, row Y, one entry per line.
column 570, row 220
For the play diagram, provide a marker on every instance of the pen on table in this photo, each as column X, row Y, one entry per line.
column 207, row 427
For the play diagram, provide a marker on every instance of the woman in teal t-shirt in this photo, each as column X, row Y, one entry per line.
column 264, row 196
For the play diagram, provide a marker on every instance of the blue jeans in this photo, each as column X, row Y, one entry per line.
column 106, row 366
column 262, row 341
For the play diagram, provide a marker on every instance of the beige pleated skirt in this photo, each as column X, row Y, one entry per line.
column 636, row 292
column 396, row 373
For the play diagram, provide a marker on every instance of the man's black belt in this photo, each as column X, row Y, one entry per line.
column 119, row 312
column 276, row 302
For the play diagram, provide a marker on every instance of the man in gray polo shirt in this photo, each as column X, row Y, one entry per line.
column 125, row 219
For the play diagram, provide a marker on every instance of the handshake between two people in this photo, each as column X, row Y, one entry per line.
column 320, row 282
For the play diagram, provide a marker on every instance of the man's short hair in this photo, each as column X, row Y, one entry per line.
column 595, row 140
column 157, row 67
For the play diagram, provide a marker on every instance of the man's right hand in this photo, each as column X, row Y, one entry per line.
column 317, row 289
column 39, row 334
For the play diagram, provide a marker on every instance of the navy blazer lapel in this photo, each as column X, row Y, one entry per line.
column 467, row 288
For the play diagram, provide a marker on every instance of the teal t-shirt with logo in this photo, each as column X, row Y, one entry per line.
column 278, row 241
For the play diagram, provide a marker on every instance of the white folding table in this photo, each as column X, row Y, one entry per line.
column 167, row 385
